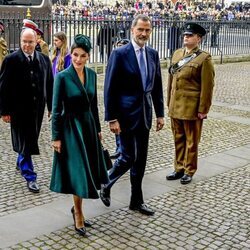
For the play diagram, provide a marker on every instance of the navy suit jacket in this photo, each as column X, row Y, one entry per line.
column 124, row 96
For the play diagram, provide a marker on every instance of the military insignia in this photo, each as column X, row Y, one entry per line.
column 188, row 27
column 181, row 63
column 177, row 66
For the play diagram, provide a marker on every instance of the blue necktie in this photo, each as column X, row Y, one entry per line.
column 143, row 69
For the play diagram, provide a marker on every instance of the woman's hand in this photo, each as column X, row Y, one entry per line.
column 100, row 135
column 57, row 146
column 114, row 127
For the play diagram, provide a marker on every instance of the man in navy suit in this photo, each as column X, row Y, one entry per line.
column 132, row 84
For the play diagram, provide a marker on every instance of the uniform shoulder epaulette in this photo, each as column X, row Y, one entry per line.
column 205, row 52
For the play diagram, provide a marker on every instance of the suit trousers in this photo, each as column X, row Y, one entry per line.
column 187, row 134
column 24, row 163
column 134, row 149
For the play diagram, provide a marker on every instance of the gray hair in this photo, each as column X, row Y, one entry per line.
column 142, row 17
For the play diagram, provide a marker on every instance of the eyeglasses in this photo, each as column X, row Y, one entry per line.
column 28, row 42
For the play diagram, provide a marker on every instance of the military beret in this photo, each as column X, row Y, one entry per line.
column 122, row 42
column 83, row 42
column 194, row 28
column 39, row 32
column 29, row 24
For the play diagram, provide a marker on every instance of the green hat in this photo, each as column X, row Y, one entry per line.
column 83, row 42
column 194, row 28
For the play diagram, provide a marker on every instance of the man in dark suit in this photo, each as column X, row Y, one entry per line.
column 173, row 38
column 106, row 38
column 133, row 84
column 26, row 84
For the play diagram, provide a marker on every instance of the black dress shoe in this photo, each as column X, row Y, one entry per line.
column 143, row 209
column 33, row 186
column 186, row 179
column 175, row 175
column 115, row 155
column 81, row 231
column 105, row 195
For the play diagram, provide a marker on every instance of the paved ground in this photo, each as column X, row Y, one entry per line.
column 210, row 213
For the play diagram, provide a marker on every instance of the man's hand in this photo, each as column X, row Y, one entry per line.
column 6, row 118
column 115, row 127
column 159, row 123
column 202, row 116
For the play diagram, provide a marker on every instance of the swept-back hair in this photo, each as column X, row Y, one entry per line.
column 142, row 17
column 63, row 50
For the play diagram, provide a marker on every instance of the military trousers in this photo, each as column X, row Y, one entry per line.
column 187, row 134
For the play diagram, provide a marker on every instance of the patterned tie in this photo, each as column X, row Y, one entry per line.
column 143, row 69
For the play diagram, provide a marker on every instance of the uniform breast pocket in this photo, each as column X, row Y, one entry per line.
column 189, row 70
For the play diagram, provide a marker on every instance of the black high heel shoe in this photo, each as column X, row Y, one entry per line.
column 86, row 223
column 81, row 231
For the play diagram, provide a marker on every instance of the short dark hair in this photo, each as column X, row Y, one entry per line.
column 142, row 17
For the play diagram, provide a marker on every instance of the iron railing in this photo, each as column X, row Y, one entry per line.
column 223, row 37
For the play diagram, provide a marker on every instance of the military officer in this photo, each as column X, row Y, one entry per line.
column 190, row 89
column 41, row 46
column 3, row 44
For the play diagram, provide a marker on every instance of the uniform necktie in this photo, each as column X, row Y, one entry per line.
column 143, row 68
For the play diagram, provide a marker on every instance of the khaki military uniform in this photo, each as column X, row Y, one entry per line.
column 189, row 92
column 44, row 47
column 3, row 49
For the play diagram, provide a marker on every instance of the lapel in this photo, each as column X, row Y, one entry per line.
column 131, row 58
column 77, row 82
column 38, row 62
column 23, row 59
column 150, row 65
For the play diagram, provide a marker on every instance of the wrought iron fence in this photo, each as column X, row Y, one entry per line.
column 223, row 37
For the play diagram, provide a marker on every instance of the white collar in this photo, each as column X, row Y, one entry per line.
column 27, row 55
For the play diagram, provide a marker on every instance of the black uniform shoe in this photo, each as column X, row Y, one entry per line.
column 33, row 186
column 186, row 179
column 143, row 209
column 115, row 155
column 105, row 195
column 175, row 175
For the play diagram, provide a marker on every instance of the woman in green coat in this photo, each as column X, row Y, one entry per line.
column 78, row 165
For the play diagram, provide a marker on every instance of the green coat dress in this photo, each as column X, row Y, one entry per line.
column 80, row 168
